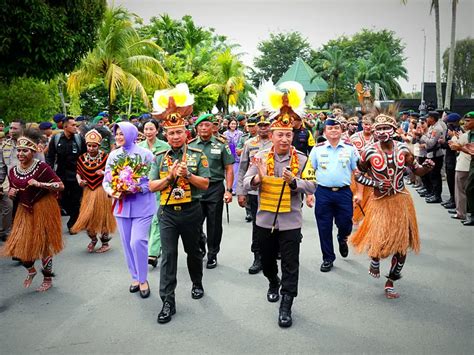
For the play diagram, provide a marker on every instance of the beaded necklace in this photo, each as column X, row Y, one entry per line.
column 294, row 162
column 23, row 174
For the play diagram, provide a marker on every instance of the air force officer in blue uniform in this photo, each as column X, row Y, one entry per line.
column 333, row 162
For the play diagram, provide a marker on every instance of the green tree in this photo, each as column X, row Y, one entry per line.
column 42, row 38
column 121, row 60
column 30, row 99
column 368, row 56
column 463, row 73
column 166, row 32
column 229, row 80
column 278, row 54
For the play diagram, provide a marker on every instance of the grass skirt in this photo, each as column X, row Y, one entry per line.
column 36, row 234
column 366, row 195
column 389, row 227
column 95, row 215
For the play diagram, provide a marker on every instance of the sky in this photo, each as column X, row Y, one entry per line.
column 247, row 22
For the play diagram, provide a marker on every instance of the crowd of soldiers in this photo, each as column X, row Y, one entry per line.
column 351, row 168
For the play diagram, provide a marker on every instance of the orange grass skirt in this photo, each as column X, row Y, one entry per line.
column 366, row 196
column 389, row 227
column 95, row 215
column 36, row 234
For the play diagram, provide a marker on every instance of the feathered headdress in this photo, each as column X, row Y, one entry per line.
column 173, row 105
column 284, row 103
column 384, row 117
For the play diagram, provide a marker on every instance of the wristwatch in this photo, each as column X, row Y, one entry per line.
column 230, row 190
column 188, row 175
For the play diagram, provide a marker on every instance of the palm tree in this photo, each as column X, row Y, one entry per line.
column 382, row 68
column 229, row 79
column 452, row 48
column 334, row 65
column 121, row 60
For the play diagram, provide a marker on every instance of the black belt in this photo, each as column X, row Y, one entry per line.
column 181, row 206
column 334, row 189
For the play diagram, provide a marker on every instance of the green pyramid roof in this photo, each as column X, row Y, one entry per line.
column 302, row 73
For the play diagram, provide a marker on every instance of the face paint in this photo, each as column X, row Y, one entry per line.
column 384, row 134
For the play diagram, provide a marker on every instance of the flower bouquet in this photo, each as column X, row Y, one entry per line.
column 128, row 175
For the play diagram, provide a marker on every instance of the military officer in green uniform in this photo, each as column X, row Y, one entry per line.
column 180, row 174
column 212, row 202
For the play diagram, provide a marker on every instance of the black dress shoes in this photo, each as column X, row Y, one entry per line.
column 273, row 293
column 284, row 316
column 211, row 262
column 343, row 249
column 134, row 288
column 449, row 205
column 326, row 266
column 166, row 312
column 452, row 211
column 197, row 291
column 455, row 216
column 424, row 194
column 248, row 218
column 145, row 293
column 434, row 199
column 469, row 222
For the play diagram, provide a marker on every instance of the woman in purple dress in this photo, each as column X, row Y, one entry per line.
column 133, row 211
column 233, row 136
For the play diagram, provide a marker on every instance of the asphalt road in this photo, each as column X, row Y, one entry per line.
column 89, row 309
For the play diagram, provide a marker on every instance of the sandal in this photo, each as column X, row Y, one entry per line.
column 29, row 278
column 91, row 245
column 45, row 285
column 104, row 248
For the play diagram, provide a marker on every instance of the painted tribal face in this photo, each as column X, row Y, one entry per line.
column 384, row 133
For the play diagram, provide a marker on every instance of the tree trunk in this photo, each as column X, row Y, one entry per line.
column 111, row 114
column 129, row 111
column 452, row 49
column 61, row 96
column 439, row 91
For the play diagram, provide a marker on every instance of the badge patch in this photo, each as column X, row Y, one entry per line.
column 204, row 161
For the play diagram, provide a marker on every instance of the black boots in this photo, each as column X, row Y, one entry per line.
column 284, row 317
column 257, row 264
column 273, row 293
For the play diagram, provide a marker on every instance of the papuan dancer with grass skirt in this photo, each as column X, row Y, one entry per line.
column 390, row 226
column 95, row 215
column 36, row 232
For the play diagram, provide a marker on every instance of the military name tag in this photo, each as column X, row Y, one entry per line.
column 215, row 151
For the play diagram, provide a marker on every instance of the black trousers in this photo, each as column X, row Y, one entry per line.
column 425, row 179
column 450, row 179
column 288, row 243
column 470, row 190
column 253, row 202
column 435, row 176
column 71, row 201
column 212, row 205
column 183, row 220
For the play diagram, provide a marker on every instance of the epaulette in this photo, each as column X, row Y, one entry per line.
column 347, row 141
column 222, row 139
column 195, row 149
column 162, row 152
column 192, row 140
column 320, row 144
column 299, row 152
